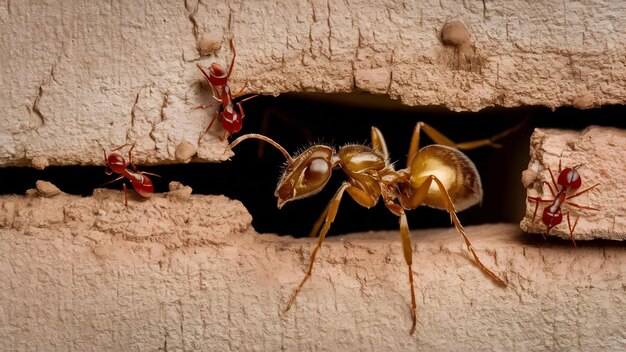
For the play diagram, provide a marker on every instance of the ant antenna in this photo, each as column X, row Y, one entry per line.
column 263, row 138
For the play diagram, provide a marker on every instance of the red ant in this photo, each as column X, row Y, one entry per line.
column 569, row 180
column 218, row 80
column 139, row 179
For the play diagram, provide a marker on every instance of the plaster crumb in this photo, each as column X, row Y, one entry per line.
column 584, row 101
column 39, row 162
column 31, row 192
column 175, row 185
column 185, row 151
column 455, row 33
column 528, row 177
column 208, row 43
column 179, row 191
column 47, row 189
column 464, row 57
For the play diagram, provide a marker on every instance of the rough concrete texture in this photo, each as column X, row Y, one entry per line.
column 600, row 152
column 123, row 71
column 173, row 274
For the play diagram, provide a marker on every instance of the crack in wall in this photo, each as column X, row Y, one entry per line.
column 191, row 15
column 330, row 31
column 484, row 9
column 133, row 111
column 35, row 108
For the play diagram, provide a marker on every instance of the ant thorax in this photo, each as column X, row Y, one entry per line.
column 355, row 158
column 136, row 177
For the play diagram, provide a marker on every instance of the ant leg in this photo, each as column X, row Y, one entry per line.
column 130, row 155
column 121, row 146
column 232, row 62
column 556, row 186
column 439, row 138
column 214, row 91
column 240, row 93
column 583, row 191
column 407, row 249
column 418, row 198
column 415, row 143
column 108, row 182
column 550, row 187
column 379, row 144
column 333, row 206
column 203, row 107
column 361, row 197
column 209, row 126
column 585, row 207
column 572, row 228
column 318, row 223
column 125, row 196
column 149, row 173
column 104, row 152
column 537, row 200
column 216, row 94
column 241, row 112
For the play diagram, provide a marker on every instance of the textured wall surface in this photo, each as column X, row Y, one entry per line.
column 122, row 71
column 179, row 272
column 600, row 152
column 187, row 272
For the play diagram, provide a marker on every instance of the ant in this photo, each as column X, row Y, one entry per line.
column 569, row 180
column 117, row 164
column 437, row 175
column 217, row 77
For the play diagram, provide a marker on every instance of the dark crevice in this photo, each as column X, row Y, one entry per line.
column 297, row 120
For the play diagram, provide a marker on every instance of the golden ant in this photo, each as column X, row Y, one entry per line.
column 438, row 175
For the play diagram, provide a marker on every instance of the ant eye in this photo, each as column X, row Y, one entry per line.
column 316, row 172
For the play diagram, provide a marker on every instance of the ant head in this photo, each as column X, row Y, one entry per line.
column 218, row 76
column 116, row 162
column 570, row 178
column 305, row 175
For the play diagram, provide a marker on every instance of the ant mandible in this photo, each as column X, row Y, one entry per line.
column 217, row 77
column 569, row 180
column 117, row 164
column 437, row 175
